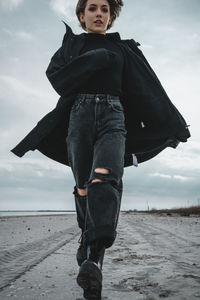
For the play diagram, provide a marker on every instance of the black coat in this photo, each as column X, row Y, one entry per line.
column 152, row 121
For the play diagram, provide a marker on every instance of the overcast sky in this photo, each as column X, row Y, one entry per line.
column 30, row 33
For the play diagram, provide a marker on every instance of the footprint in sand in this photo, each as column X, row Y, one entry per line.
column 141, row 284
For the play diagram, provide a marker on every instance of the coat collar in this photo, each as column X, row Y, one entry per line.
column 115, row 36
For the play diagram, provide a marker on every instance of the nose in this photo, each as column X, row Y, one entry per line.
column 99, row 13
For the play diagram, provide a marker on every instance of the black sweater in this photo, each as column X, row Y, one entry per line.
column 109, row 80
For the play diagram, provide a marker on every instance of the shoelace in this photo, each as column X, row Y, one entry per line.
column 80, row 241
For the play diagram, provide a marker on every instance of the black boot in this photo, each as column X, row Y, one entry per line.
column 80, row 203
column 95, row 253
column 90, row 273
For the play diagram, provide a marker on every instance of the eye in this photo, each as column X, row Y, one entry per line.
column 105, row 10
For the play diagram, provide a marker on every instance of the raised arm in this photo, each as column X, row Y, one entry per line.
column 66, row 77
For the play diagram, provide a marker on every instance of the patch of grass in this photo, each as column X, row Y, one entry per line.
column 182, row 211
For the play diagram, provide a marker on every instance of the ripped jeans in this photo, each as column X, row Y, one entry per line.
column 96, row 139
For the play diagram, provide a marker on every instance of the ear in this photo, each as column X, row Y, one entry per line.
column 82, row 17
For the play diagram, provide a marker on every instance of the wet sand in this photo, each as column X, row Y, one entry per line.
column 153, row 257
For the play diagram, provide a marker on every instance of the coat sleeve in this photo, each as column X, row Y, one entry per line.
column 66, row 77
column 134, row 46
column 156, row 116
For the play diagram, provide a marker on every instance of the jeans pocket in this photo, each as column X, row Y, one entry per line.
column 116, row 106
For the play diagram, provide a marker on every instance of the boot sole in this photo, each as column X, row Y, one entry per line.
column 90, row 280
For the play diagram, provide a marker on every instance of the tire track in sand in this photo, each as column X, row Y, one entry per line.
column 175, row 248
column 154, row 260
column 15, row 262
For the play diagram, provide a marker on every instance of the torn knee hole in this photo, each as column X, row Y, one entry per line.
column 95, row 180
column 81, row 192
column 102, row 174
column 101, row 170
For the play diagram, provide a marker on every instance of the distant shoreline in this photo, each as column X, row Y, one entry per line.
column 34, row 213
column 182, row 211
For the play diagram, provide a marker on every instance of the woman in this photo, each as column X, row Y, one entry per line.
column 113, row 113
column 96, row 145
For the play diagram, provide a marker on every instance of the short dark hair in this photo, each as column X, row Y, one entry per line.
column 115, row 9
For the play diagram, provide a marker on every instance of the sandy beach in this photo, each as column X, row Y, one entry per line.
column 154, row 256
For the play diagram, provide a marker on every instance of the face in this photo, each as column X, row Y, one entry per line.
column 96, row 10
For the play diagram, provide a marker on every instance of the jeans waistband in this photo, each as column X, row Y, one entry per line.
column 96, row 97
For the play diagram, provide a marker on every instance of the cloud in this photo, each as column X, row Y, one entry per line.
column 161, row 175
column 3, row 45
column 6, row 166
column 23, row 35
column 64, row 8
column 148, row 46
column 186, row 157
column 182, row 178
column 166, row 176
column 19, row 86
column 22, row 106
column 40, row 174
column 32, row 182
column 41, row 165
column 10, row 5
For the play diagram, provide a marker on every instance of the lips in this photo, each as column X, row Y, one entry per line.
column 98, row 22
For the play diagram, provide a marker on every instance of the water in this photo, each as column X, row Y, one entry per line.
column 33, row 212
